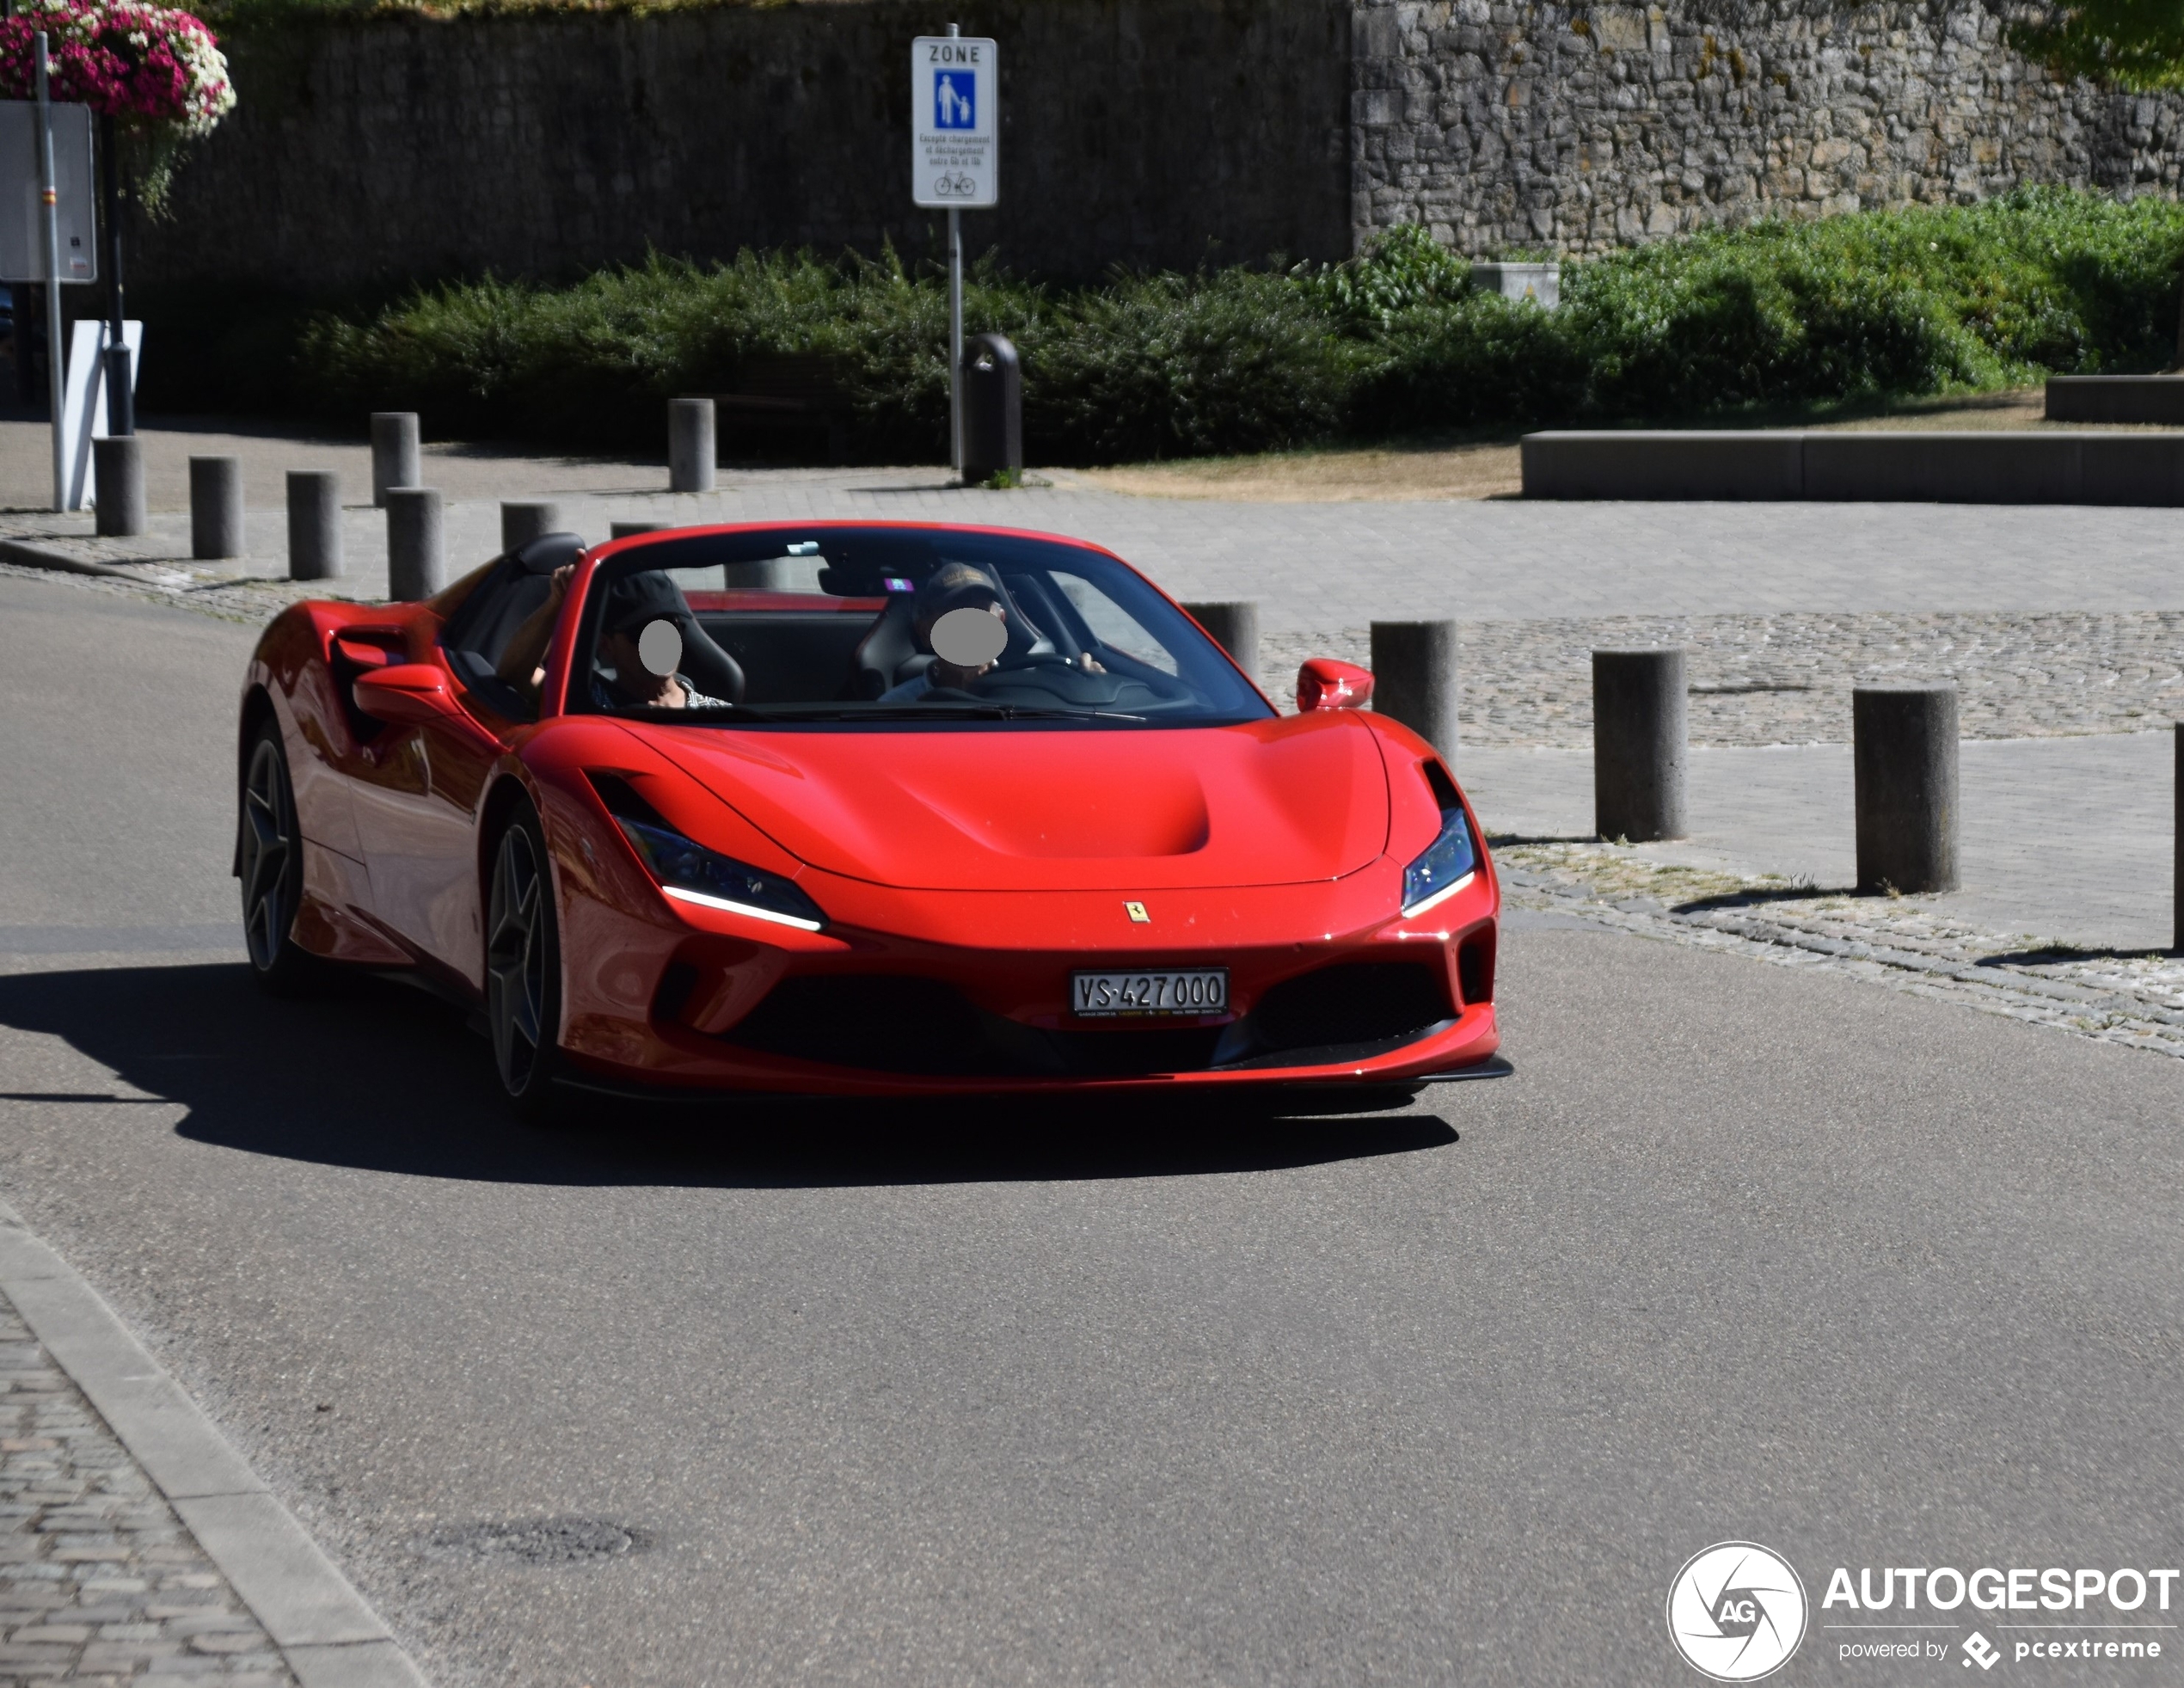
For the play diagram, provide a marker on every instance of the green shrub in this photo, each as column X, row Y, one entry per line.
column 1876, row 306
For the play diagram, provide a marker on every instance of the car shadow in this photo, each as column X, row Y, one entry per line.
column 374, row 1076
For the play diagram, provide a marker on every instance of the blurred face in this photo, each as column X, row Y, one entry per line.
column 959, row 658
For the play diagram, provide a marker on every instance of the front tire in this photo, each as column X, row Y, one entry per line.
column 270, row 859
column 523, row 969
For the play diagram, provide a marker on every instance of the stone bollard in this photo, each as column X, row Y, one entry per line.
column 689, row 446
column 1414, row 678
column 1641, row 729
column 521, row 522
column 416, row 548
column 631, row 530
column 215, row 507
column 314, row 524
column 393, row 453
column 1233, row 625
column 1904, row 747
column 119, row 463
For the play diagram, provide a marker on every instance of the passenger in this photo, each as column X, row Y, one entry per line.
column 633, row 605
column 641, row 637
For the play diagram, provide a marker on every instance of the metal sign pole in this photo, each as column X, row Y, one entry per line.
column 955, row 339
column 956, row 328
column 120, row 390
column 49, row 202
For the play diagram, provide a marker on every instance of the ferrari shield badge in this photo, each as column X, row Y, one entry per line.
column 1137, row 912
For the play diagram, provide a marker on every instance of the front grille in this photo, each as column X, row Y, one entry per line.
column 1351, row 1002
column 893, row 1022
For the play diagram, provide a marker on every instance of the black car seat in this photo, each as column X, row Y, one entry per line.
column 888, row 654
column 707, row 667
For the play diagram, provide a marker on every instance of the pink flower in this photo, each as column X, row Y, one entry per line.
column 144, row 65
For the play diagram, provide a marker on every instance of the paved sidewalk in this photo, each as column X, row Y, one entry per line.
column 1312, row 566
column 99, row 1581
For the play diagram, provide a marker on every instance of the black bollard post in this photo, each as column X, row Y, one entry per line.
column 1233, row 625
column 215, row 507
column 1640, row 732
column 1904, row 747
column 1414, row 678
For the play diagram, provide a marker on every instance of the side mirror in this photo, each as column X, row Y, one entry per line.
column 1325, row 684
column 408, row 694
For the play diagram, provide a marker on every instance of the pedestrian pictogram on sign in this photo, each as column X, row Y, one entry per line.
column 955, row 100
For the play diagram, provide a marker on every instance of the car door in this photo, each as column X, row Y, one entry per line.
column 418, row 788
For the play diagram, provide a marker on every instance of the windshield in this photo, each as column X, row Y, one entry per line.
column 877, row 625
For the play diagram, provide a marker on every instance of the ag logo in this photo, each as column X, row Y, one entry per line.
column 1736, row 1612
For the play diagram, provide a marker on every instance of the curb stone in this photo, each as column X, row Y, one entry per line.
column 329, row 1635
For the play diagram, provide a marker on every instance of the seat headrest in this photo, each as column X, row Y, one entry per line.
column 543, row 554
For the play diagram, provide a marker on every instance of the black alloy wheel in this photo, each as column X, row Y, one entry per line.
column 271, row 865
column 523, row 967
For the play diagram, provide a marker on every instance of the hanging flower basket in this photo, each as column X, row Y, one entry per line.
column 158, row 72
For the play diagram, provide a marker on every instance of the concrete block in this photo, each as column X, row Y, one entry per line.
column 2116, row 398
column 1758, row 464
column 1986, row 467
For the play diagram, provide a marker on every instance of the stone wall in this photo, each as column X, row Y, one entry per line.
column 1152, row 133
column 1147, row 133
column 1581, row 128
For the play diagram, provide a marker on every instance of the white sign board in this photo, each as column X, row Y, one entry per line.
column 22, row 229
column 84, row 403
column 954, row 122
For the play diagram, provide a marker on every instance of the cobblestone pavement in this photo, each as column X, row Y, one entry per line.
column 1785, row 680
column 98, row 1581
column 1909, row 943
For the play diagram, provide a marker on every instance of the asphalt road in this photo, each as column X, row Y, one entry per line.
column 1031, row 1396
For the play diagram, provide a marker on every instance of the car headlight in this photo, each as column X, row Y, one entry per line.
column 690, row 873
column 1448, row 864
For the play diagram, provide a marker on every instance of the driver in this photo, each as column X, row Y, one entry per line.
column 952, row 585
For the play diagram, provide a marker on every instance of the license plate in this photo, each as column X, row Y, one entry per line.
column 1094, row 996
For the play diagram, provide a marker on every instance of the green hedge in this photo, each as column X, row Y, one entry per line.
column 1779, row 316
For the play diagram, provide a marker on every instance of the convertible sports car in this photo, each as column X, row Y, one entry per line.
column 879, row 809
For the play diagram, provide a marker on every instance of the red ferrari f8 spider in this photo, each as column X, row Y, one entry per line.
column 858, row 810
